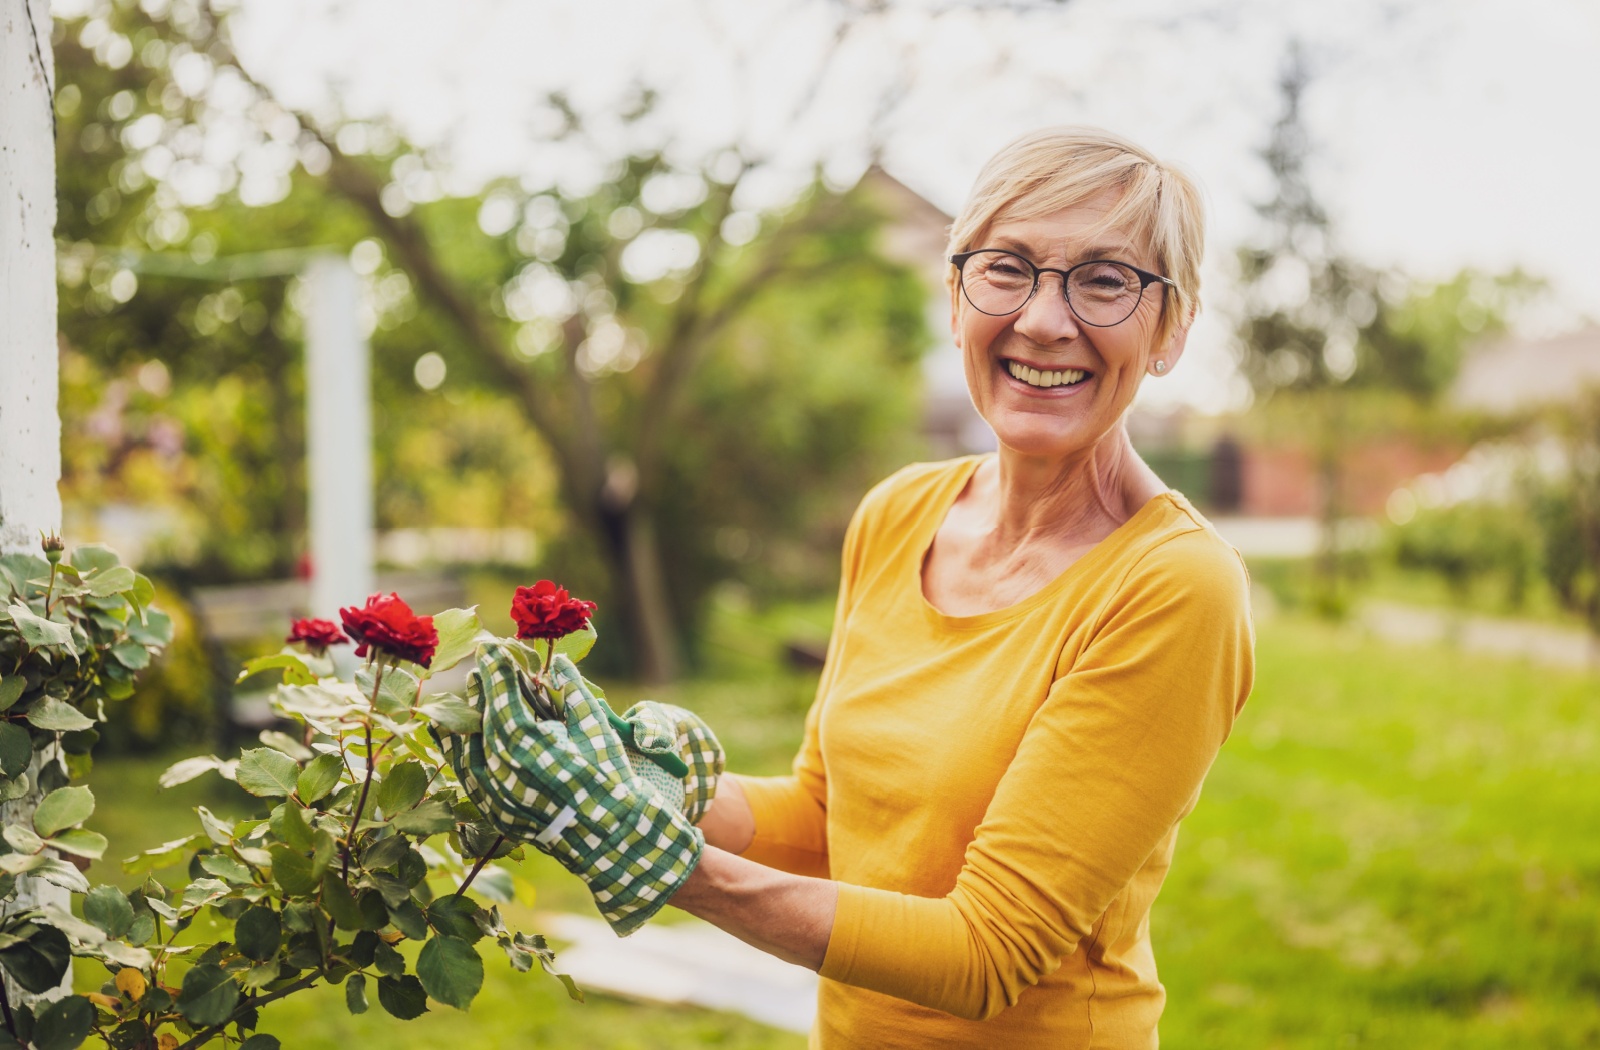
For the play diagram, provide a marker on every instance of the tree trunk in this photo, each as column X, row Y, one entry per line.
column 1329, row 564
column 633, row 554
column 30, row 428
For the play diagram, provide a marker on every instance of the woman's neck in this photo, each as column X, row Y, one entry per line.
column 1087, row 495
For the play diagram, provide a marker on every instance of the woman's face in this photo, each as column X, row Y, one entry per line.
column 1062, row 420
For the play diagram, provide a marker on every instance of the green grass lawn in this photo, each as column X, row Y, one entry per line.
column 1397, row 848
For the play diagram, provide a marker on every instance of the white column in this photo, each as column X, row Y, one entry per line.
column 30, row 429
column 339, row 446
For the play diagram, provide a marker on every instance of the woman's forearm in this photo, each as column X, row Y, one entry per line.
column 729, row 823
column 789, row 916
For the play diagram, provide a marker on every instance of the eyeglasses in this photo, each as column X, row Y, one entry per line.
column 1101, row 293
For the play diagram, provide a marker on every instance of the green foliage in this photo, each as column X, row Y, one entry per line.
column 1567, row 511
column 1469, row 541
column 73, row 635
column 364, row 813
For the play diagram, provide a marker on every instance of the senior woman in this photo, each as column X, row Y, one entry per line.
column 1035, row 658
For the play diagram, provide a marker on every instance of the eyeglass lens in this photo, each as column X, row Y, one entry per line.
column 1100, row 293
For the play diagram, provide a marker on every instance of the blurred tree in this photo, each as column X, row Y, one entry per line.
column 1567, row 510
column 693, row 374
column 1319, row 328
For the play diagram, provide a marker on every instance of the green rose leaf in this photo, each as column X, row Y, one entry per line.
column 156, row 629
column 322, row 846
column 320, row 776
column 208, row 996
column 227, row 869
column 58, row 716
column 349, row 912
column 92, row 556
column 38, row 963
column 131, row 654
column 162, row 856
column 576, row 645
column 258, row 933
column 23, row 840
column 80, row 843
column 355, row 993
column 402, row 787
column 11, row 688
column 451, row 713
column 16, row 748
column 107, row 907
column 186, row 770
column 289, row 824
column 103, row 583
column 403, row 996
column 450, row 970
column 295, row 671
column 458, row 632
column 267, row 773
column 388, row 960
column 261, row 1041
column 63, row 808
column 430, row 818
column 63, row 1024
column 409, row 920
column 396, row 692
column 455, row 917
column 291, row 870
column 217, row 829
column 40, row 633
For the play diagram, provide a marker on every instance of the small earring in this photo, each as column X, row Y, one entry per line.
column 1161, row 367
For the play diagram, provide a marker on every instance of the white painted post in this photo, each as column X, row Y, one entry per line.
column 30, row 428
column 339, row 445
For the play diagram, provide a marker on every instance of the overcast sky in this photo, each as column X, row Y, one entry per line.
column 1450, row 133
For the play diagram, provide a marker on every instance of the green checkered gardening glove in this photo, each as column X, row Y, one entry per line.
column 657, row 729
column 568, row 788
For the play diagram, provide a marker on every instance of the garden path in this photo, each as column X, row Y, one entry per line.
column 1539, row 643
column 688, row 962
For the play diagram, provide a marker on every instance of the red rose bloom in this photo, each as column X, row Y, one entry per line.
column 547, row 611
column 389, row 626
column 317, row 634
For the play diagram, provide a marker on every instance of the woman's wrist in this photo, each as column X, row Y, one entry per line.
column 729, row 823
column 789, row 916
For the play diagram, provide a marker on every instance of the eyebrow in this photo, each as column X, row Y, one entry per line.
column 1113, row 250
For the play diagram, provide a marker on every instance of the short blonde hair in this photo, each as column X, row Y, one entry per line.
column 1054, row 168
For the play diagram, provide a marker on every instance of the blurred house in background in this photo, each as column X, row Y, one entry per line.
column 1512, row 375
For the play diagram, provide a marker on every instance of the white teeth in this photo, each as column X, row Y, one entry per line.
column 1034, row 377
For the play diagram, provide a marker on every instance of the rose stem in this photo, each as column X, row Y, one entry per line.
column 479, row 866
column 361, row 803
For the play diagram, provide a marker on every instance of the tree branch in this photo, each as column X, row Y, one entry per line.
column 695, row 330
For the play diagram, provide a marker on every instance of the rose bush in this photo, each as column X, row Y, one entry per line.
column 365, row 840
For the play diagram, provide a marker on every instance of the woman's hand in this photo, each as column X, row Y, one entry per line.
column 665, row 729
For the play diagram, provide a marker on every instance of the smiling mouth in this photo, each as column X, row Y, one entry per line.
column 1034, row 377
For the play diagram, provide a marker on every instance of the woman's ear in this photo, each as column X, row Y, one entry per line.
column 1163, row 360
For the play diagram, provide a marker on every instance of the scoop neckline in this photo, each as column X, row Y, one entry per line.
column 1037, row 598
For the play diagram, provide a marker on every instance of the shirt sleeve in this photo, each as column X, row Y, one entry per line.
column 1113, row 759
column 791, row 813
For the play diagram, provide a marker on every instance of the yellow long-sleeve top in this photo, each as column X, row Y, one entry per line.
column 999, row 794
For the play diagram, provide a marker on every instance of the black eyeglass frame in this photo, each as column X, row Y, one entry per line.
column 1146, row 279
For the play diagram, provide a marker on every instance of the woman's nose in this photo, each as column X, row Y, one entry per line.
column 1046, row 318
